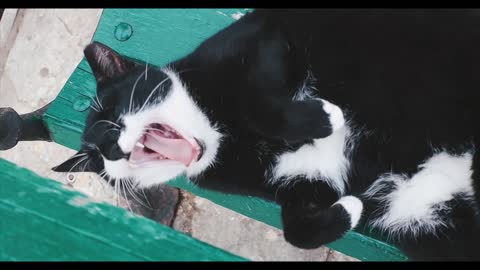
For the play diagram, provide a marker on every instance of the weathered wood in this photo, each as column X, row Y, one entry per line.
column 7, row 19
column 159, row 36
column 41, row 220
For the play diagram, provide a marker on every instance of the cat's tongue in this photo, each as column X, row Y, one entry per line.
column 175, row 149
column 165, row 146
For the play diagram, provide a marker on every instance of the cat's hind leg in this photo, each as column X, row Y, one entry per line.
column 429, row 214
column 456, row 240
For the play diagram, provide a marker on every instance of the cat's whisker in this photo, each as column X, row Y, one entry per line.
column 110, row 180
column 153, row 91
column 106, row 121
column 86, row 164
column 125, row 196
column 77, row 155
column 102, row 183
column 96, row 106
column 132, row 191
column 146, row 199
column 146, row 71
column 94, row 101
column 98, row 102
column 117, row 203
column 110, row 129
column 93, row 107
column 133, row 91
column 76, row 164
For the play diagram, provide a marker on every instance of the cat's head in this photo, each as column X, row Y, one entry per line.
column 143, row 123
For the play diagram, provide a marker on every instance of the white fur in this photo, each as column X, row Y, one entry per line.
column 326, row 159
column 306, row 91
column 117, row 169
column 336, row 115
column 413, row 203
column 179, row 111
column 354, row 207
column 156, row 174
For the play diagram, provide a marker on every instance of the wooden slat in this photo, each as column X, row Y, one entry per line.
column 160, row 36
column 41, row 220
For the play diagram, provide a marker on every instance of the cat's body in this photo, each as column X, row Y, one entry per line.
column 258, row 100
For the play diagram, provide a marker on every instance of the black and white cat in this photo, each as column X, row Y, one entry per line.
column 343, row 117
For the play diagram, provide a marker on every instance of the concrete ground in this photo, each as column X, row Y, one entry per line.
column 39, row 49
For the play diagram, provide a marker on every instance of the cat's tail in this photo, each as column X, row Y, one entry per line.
column 308, row 227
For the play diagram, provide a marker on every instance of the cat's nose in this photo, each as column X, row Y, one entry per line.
column 115, row 153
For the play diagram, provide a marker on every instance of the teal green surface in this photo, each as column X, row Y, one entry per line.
column 44, row 221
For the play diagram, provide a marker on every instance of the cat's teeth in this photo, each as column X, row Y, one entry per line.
column 139, row 144
column 162, row 157
column 132, row 165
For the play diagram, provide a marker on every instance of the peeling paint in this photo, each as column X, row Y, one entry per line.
column 79, row 201
column 237, row 15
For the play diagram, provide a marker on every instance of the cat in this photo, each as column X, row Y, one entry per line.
column 343, row 117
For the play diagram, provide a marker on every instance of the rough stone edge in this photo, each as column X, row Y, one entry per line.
column 9, row 28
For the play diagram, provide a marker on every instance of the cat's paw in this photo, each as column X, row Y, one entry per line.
column 308, row 225
column 337, row 120
column 354, row 207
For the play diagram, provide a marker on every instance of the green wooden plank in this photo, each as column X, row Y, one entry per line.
column 158, row 37
column 41, row 220
column 161, row 35
column 65, row 118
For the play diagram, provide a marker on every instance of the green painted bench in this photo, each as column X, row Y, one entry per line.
column 43, row 221
column 157, row 36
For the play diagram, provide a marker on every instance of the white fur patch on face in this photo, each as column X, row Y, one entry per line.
column 414, row 202
column 327, row 159
column 117, row 169
column 354, row 207
column 179, row 111
column 155, row 174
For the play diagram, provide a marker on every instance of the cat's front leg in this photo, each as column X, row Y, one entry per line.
column 294, row 121
column 312, row 219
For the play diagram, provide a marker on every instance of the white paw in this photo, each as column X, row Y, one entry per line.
column 353, row 206
column 336, row 115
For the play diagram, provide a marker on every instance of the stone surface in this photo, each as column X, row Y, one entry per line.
column 241, row 235
column 43, row 51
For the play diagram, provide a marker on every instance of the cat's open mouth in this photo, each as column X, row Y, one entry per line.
column 161, row 143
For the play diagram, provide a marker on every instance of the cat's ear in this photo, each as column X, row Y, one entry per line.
column 105, row 62
column 80, row 162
